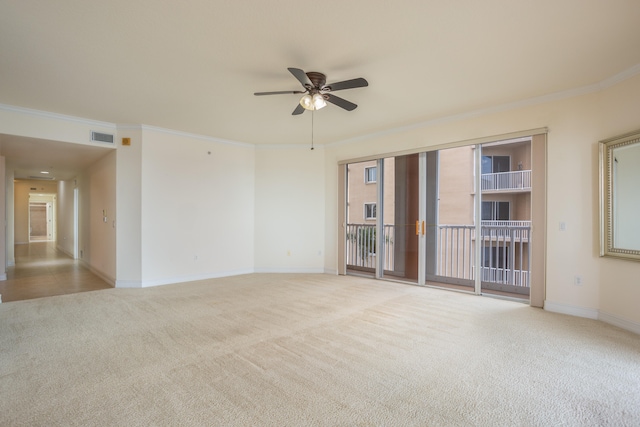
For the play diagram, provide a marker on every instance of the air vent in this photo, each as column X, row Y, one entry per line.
column 42, row 178
column 102, row 137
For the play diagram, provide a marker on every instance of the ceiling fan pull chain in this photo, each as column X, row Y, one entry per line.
column 312, row 111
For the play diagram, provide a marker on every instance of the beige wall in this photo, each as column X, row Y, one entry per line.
column 66, row 233
column 289, row 210
column 22, row 188
column 97, row 209
column 576, row 123
column 359, row 192
column 456, row 192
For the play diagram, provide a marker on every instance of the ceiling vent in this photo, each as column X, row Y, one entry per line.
column 102, row 137
column 42, row 178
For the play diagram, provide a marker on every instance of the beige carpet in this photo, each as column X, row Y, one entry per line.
column 304, row 350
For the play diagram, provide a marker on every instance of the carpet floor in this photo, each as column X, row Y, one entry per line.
column 309, row 350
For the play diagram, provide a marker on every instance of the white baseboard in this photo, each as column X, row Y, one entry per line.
column 110, row 280
column 11, row 263
column 128, row 284
column 330, row 271
column 291, row 270
column 61, row 249
column 572, row 310
column 592, row 313
column 173, row 280
column 629, row 325
column 161, row 282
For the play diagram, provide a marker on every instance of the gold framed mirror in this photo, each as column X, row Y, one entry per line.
column 620, row 196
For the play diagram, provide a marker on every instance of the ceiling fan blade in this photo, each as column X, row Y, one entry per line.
column 301, row 76
column 299, row 110
column 291, row 92
column 347, row 84
column 342, row 103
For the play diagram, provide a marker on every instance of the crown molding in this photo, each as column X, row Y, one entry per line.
column 189, row 135
column 57, row 116
column 556, row 96
column 306, row 147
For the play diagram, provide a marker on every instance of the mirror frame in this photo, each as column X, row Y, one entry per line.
column 606, row 196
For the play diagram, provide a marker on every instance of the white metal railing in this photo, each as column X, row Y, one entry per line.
column 502, row 223
column 361, row 246
column 505, row 275
column 515, row 180
column 455, row 251
column 505, row 251
column 519, row 233
column 504, row 247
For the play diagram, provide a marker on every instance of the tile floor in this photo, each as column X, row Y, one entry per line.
column 41, row 271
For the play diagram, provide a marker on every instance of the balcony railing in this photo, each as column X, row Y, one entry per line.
column 361, row 246
column 504, row 252
column 504, row 260
column 516, row 180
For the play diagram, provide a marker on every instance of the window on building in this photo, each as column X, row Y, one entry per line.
column 370, row 175
column 495, row 257
column 495, row 211
column 369, row 211
column 496, row 164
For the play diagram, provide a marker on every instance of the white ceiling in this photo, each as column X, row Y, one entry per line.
column 194, row 66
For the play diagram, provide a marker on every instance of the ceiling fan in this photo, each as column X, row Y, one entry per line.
column 317, row 92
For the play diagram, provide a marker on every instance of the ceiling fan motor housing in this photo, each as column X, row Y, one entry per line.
column 317, row 79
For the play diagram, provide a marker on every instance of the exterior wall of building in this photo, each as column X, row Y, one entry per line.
column 360, row 192
column 456, row 181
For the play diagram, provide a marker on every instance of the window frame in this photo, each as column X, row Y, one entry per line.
column 494, row 210
column 366, row 175
column 375, row 211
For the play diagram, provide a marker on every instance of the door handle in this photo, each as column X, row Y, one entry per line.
column 417, row 228
column 420, row 228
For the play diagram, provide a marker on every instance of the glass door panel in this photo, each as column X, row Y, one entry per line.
column 401, row 223
column 505, row 218
column 362, row 213
column 450, row 217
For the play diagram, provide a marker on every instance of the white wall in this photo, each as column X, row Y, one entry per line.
column 97, row 211
column 65, row 216
column 129, row 208
column 197, row 208
column 10, row 218
column 56, row 127
column 289, row 214
column 576, row 124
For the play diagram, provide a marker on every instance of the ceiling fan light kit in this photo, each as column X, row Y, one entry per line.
column 315, row 102
column 317, row 93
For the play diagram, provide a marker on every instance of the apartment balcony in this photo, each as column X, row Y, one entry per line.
column 507, row 181
column 504, row 246
column 516, row 231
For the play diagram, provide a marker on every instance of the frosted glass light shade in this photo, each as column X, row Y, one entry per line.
column 314, row 102
column 307, row 102
column 318, row 101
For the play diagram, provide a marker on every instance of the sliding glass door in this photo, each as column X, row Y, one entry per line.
column 457, row 218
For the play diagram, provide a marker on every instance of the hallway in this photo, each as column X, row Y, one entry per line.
column 41, row 271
